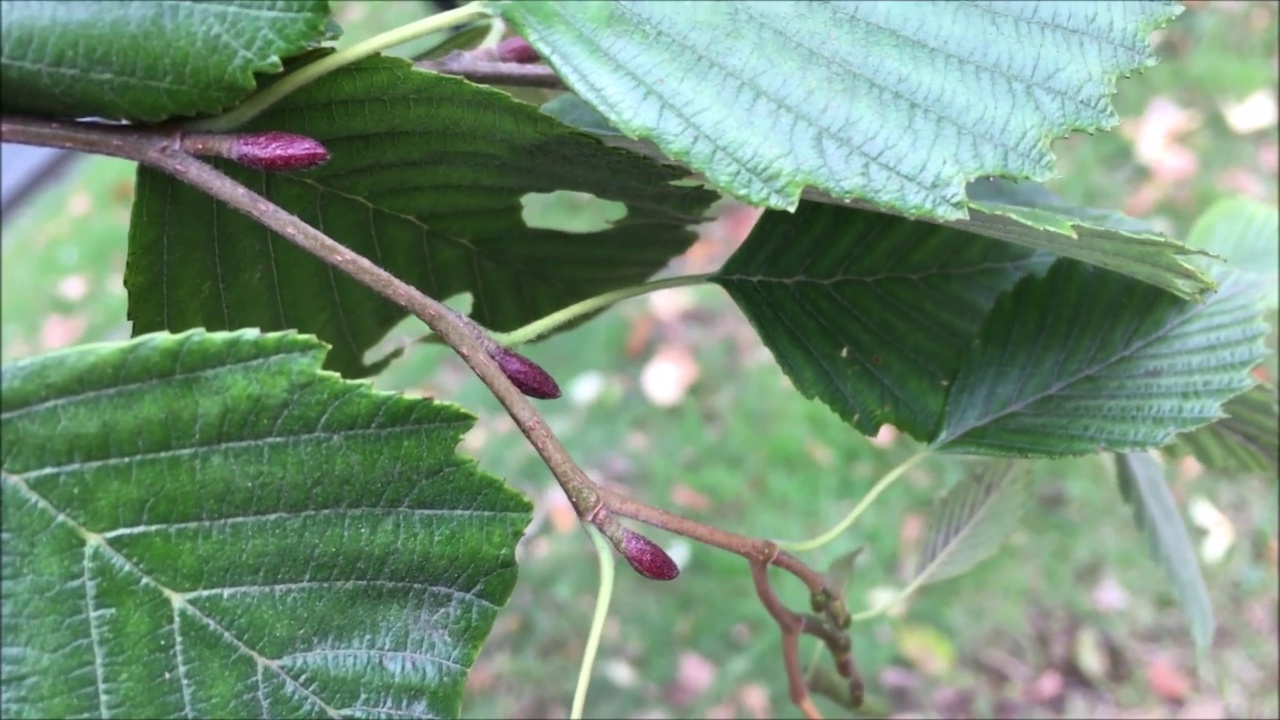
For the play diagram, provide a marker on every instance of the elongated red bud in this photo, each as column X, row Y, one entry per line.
column 647, row 557
column 517, row 50
column 277, row 151
column 525, row 373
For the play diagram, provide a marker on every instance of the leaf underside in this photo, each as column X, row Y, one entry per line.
column 897, row 103
column 1143, row 486
column 871, row 313
column 1246, row 233
column 1246, row 440
column 1083, row 359
column 1030, row 215
column 972, row 520
column 206, row 525
column 146, row 61
column 426, row 180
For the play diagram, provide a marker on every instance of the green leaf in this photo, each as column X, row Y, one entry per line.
column 766, row 98
column 1244, row 441
column 972, row 520
column 426, row 179
column 206, row 525
column 870, row 313
column 1083, row 359
column 573, row 110
column 146, row 61
column 1247, row 234
column 1143, row 486
column 1028, row 214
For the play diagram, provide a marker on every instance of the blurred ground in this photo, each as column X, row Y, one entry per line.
column 673, row 398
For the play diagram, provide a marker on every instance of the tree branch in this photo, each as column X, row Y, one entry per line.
column 158, row 150
column 483, row 71
column 594, row 505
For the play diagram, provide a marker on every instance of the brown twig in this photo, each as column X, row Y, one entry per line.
column 479, row 69
column 165, row 152
column 791, row 625
column 160, row 151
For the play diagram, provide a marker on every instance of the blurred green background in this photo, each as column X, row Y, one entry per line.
column 673, row 398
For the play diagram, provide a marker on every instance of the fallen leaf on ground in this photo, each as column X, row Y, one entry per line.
column 668, row 375
column 1047, row 687
column 927, row 649
column 73, row 287
column 671, row 304
column 694, row 674
column 686, row 497
column 885, row 437
column 1090, row 656
column 638, row 336
column 1166, row 680
column 754, row 698
column 1202, row 709
column 59, row 331
column 1109, row 595
column 1253, row 114
column 1243, row 182
column 1220, row 533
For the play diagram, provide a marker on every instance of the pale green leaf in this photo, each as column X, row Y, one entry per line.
column 1246, row 440
column 897, row 103
column 972, row 520
column 207, row 525
column 1084, row 359
column 1143, row 486
column 1030, row 215
column 1247, row 234
column 146, row 60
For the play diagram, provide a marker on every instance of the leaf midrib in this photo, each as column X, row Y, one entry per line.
column 505, row 262
column 925, row 576
column 808, row 279
column 1156, row 335
column 177, row 599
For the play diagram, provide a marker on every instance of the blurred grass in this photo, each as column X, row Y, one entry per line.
column 1069, row 619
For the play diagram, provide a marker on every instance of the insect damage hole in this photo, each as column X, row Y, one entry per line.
column 570, row 211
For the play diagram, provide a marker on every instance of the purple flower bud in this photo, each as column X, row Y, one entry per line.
column 647, row 558
column 525, row 373
column 517, row 50
column 278, row 151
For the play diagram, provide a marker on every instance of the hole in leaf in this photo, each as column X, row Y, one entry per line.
column 569, row 211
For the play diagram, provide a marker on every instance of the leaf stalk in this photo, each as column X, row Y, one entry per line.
column 260, row 101
column 564, row 316
column 603, row 598
column 848, row 521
